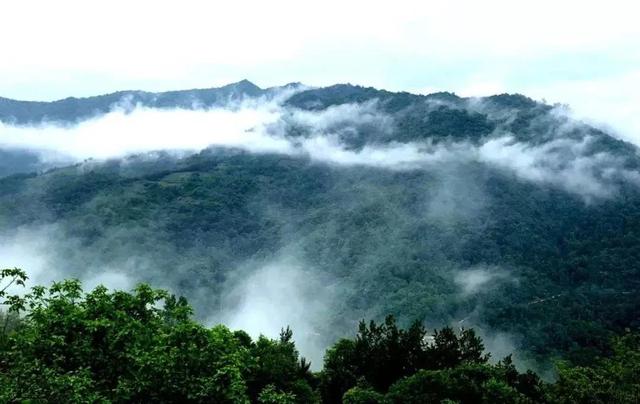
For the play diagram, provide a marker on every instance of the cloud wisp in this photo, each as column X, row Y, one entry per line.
column 277, row 294
column 475, row 280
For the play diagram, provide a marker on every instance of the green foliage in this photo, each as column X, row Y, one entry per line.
column 614, row 379
column 381, row 354
column 358, row 395
column 120, row 347
column 9, row 277
column 276, row 365
column 143, row 346
column 469, row 383
column 9, row 320
column 76, row 346
column 269, row 395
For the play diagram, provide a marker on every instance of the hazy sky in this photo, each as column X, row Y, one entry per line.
column 583, row 53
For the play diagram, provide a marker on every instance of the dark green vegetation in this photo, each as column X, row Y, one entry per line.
column 100, row 346
column 562, row 271
column 18, row 161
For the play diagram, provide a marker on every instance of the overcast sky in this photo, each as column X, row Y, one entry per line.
column 583, row 53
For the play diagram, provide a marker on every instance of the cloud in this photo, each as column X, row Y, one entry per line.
column 23, row 250
column 35, row 250
column 478, row 279
column 119, row 132
column 266, row 298
column 344, row 135
column 336, row 117
column 562, row 162
column 454, row 199
column 394, row 156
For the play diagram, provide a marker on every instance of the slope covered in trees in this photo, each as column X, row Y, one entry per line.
column 517, row 220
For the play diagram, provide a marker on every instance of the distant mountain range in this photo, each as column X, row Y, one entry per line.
column 76, row 109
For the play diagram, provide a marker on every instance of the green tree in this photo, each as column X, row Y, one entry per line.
column 340, row 371
column 359, row 395
column 607, row 380
column 9, row 319
column 277, row 364
column 117, row 346
column 269, row 395
column 380, row 354
column 450, row 350
column 466, row 383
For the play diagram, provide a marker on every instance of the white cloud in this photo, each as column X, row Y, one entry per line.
column 25, row 250
column 561, row 162
column 397, row 156
column 280, row 294
column 133, row 37
column 118, row 133
column 478, row 279
column 336, row 116
column 35, row 251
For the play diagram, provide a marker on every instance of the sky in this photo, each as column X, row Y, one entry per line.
column 582, row 53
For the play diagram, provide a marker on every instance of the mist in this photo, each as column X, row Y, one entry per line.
column 34, row 250
column 263, row 125
column 284, row 292
column 478, row 279
column 261, row 297
column 120, row 132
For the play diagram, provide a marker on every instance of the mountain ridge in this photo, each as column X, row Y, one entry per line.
column 75, row 109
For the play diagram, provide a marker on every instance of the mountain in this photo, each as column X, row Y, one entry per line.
column 500, row 213
column 72, row 109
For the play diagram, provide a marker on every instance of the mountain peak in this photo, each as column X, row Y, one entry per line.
column 245, row 84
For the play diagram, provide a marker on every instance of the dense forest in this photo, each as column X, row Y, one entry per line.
column 62, row 344
column 509, row 218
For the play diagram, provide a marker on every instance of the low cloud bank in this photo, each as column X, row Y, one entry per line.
column 119, row 133
column 266, row 126
column 565, row 163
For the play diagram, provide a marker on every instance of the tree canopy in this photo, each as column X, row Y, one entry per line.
column 70, row 345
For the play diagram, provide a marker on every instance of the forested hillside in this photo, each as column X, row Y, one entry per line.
column 500, row 214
